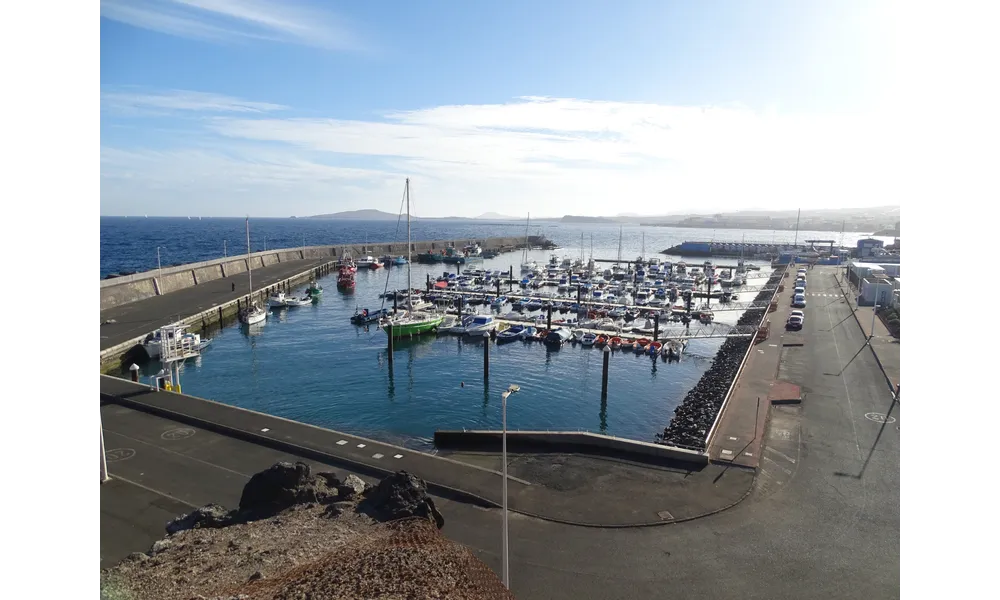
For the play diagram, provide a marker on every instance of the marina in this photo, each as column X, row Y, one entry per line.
column 337, row 357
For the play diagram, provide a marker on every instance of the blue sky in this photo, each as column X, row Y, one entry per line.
column 227, row 107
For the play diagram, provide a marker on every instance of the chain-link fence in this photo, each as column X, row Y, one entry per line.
column 409, row 558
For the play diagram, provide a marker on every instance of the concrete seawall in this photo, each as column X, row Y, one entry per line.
column 139, row 286
column 568, row 441
column 221, row 313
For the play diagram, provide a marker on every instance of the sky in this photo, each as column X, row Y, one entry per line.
column 281, row 108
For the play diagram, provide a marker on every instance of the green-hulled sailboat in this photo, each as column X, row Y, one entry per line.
column 409, row 322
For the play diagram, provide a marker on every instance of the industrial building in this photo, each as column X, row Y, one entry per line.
column 877, row 283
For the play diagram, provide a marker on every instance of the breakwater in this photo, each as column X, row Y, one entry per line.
column 695, row 415
column 124, row 289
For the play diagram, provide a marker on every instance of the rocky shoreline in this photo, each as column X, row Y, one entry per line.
column 695, row 415
column 299, row 534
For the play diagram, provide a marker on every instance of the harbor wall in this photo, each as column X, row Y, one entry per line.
column 124, row 289
column 568, row 441
column 121, row 354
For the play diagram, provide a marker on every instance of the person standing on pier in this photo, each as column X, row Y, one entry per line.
column 234, row 286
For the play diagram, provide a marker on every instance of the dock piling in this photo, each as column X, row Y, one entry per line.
column 548, row 320
column 134, row 370
column 498, row 288
column 656, row 326
column 486, row 357
column 388, row 331
column 510, row 280
column 604, row 375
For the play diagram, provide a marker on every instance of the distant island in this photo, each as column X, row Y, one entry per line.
column 579, row 219
column 367, row 214
column 492, row 216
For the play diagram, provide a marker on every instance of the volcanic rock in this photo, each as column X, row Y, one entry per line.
column 210, row 515
column 282, row 486
column 399, row 496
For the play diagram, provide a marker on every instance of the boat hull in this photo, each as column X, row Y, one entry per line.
column 415, row 327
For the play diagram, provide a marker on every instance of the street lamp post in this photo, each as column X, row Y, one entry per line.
column 512, row 389
column 225, row 252
column 159, row 269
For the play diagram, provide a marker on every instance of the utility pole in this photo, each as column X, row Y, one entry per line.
column 159, row 269
column 225, row 251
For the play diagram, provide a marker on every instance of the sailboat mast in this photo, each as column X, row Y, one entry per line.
column 618, row 264
column 409, row 246
column 249, row 262
column 527, row 225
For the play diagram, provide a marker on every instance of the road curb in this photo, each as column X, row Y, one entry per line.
column 438, row 489
column 878, row 361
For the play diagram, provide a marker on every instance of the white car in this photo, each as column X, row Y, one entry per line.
column 799, row 301
column 797, row 313
column 794, row 322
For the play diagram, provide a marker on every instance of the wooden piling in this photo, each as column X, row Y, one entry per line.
column 548, row 321
column 388, row 331
column 656, row 326
column 486, row 357
column 604, row 375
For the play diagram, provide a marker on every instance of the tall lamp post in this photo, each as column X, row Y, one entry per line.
column 159, row 270
column 512, row 389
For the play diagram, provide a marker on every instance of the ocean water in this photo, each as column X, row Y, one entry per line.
column 130, row 243
column 312, row 365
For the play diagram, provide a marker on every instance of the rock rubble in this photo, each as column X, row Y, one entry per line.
column 695, row 415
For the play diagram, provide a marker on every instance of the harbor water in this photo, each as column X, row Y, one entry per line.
column 312, row 365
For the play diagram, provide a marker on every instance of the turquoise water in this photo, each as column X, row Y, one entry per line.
column 312, row 365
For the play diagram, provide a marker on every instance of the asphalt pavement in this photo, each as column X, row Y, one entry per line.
column 145, row 316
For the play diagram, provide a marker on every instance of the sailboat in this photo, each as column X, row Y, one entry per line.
column 410, row 322
column 254, row 313
column 527, row 265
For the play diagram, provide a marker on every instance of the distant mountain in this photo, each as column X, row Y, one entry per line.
column 367, row 214
column 579, row 219
column 492, row 216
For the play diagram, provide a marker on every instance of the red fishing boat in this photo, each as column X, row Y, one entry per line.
column 345, row 278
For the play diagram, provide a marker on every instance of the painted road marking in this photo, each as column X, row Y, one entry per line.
column 362, row 445
column 734, row 439
column 879, row 418
column 727, row 452
column 341, row 442
column 398, row 456
column 377, row 455
column 787, row 471
column 781, row 454
column 119, row 454
column 177, row 434
column 266, row 429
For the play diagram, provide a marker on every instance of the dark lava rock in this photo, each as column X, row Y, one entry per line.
column 282, row 486
column 210, row 515
column 398, row 496
column 696, row 413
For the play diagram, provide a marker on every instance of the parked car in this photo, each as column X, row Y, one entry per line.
column 798, row 291
column 797, row 313
column 799, row 301
column 794, row 322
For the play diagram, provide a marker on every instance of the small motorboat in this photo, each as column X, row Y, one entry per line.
column 601, row 341
column 499, row 302
column 303, row 301
column 627, row 344
column 706, row 316
column 480, row 324
column 673, row 348
column 588, row 339
column 558, row 336
column 514, row 332
column 640, row 345
column 616, row 343
column 364, row 316
column 277, row 300
column 314, row 290
column 399, row 260
column 654, row 348
column 529, row 333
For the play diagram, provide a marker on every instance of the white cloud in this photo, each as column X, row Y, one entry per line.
column 569, row 156
column 130, row 101
column 286, row 21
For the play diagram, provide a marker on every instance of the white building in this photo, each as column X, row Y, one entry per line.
column 878, row 289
